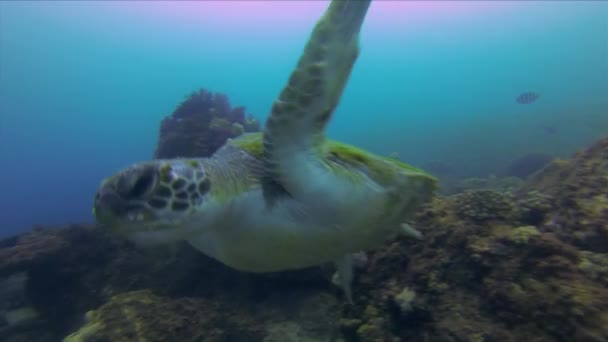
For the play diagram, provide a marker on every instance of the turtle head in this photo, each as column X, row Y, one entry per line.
column 153, row 196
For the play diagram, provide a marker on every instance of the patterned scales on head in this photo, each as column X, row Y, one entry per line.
column 283, row 199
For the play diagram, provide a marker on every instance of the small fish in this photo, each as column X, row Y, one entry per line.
column 527, row 97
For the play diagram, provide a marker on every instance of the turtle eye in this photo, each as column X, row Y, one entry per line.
column 142, row 185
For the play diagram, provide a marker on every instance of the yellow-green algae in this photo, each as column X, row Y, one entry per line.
column 405, row 298
column 523, row 234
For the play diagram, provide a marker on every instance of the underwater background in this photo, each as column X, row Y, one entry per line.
column 84, row 84
column 506, row 103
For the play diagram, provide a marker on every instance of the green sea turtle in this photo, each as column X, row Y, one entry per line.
column 283, row 199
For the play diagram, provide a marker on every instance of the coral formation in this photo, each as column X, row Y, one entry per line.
column 21, row 251
column 200, row 125
column 579, row 192
column 483, row 205
column 530, row 273
column 67, row 271
column 95, row 271
column 143, row 316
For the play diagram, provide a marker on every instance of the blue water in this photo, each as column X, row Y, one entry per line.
column 83, row 89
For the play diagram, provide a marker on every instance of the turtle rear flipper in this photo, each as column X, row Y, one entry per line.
column 293, row 137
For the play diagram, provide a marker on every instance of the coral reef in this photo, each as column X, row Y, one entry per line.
column 167, row 293
column 200, row 125
column 143, row 316
column 579, row 188
column 529, row 265
column 21, row 251
column 66, row 271
column 482, row 205
column 494, row 281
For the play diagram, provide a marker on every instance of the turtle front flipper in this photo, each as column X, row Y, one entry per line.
column 293, row 136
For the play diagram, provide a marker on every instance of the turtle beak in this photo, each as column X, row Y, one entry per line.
column 108, row 206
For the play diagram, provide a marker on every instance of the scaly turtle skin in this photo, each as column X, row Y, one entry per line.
column 283, row 200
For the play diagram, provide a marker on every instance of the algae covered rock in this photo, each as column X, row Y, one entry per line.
column 143, row 316
column 483, row 205
column 525, row 265
column 65, row 271
column 579, row 189
column 533, row 207
column 92, row 269
column 22, row 251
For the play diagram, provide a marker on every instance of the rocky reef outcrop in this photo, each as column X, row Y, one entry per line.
column 201, row 124
column 497, row 266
